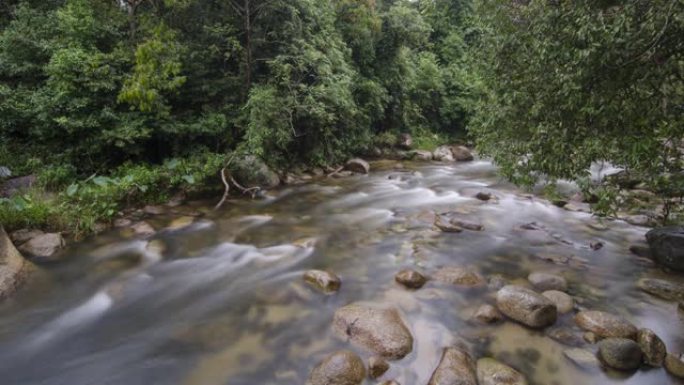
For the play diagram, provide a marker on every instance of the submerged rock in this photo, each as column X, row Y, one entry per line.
column 564, row 303
column 446, row 225
column 467, row 225
column 487, row 314
column 358, row 166
column 14, row 269
column 662, row 289
column 377, row 366
column 455, row 368
column 620, row 353
column 526, row 306
column 340, row 368
column 674, row 365
column 460, row 276
column 323, row 281
column 142, row 229
column 43, row 246
column 484, row 196
column 545, row 281
column 410, row 279
column 667, row 245
column 376, row 329
column 652, row 346
column 583, row 358
column 493, row 372
column 606, row 325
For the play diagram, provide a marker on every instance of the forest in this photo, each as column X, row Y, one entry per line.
column 110, row 103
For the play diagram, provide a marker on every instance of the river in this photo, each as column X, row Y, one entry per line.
column 222, row 301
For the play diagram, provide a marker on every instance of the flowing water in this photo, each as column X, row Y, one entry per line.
column 222, row 301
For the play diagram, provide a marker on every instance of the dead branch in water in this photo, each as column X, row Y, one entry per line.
column 226, row 191
column 250, row 190
column 335, row 172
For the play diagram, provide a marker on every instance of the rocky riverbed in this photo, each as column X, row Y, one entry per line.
column 416, row 273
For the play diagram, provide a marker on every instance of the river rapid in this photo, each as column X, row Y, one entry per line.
column 221, row 300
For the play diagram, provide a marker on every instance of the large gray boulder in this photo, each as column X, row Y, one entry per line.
column 667, row 245
column 340, row 368
column 251, row 171
column 526, row 306
column 377, row 329
column 14, row 269
column 455, row 368
column 44, row 246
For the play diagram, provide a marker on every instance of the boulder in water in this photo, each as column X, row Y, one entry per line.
column 340, row 368
column 410, row 279
column 661, row 288
column 358, row 166
column 545, row 281
column 251, row 171
column 455, row 368
column 620, row 353
column 606, row 325
column 462, row 154
column 323, row 281
column 443, row 154
column 652, row 346
column 460, row 276
column 14, row 269
column 377, row 329
column 493, row 372
column 564, row 303
column 667, row 245
column 674, row 365
column 526, row 306
column 44, row 246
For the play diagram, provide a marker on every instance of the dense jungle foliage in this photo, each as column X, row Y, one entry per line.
column 110, row 92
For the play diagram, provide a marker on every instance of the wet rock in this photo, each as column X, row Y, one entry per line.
column 410, row 279
column 641, row 251
column 358, row 166
column 460, row 276
column 483, row 196
column 456, row 367
column 467, row 225
column 323, row 281
column 376, row 329
column 462, row 154
column 606, row 325
column 620, row 353
column 564, row 303
column 565, row 336
column 443, row 154
column 674, row 365
column 493, row 372
column 122, row 222
column 496, row 282
column 142, row 229
column 14, row 269
column 652, row 346
column 154, row 210
column 446, row 225
column 583, row 358
column 341, row 368
column 25, row 235
column 545, row 281
column 487, row 314
column 421, row 155
column 377, row 366
column 667, row 245
column 526, row 306
column 662, row 289
column 43, row 246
